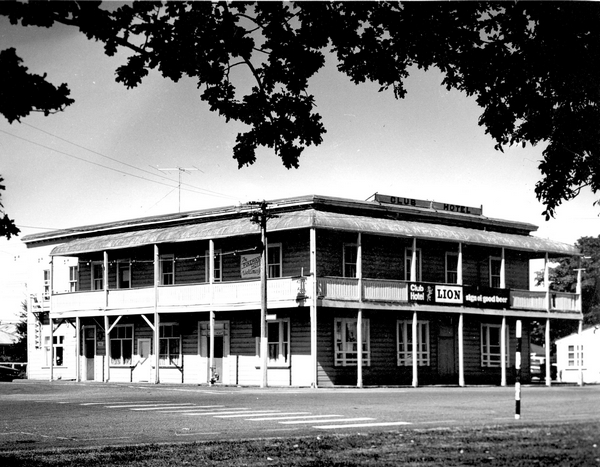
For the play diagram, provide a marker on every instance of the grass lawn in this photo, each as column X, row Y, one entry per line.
column 575, row 444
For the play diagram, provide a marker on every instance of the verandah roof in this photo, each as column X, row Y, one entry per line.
column 313, row 218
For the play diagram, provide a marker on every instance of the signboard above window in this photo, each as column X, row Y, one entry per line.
column 435, row 205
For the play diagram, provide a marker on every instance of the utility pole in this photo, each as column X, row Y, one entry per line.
column 180, row 170
column 260, row 218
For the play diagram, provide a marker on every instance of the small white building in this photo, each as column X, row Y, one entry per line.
column 579, row 352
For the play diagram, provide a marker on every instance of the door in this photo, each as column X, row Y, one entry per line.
column 218, row 359
column 446, row 354
column 144, row 367
column 221, row 358
column 89, row 351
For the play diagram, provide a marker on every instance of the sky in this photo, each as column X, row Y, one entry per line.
column 99, row 160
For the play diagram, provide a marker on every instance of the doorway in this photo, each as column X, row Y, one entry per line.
column 221, row 352
column 89, row 352
column 144, row 366
column 446, row 354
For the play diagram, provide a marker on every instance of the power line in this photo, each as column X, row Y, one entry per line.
column 191, row 188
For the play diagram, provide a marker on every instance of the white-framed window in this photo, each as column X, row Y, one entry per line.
column 58, row 345
column 170, row 345
column 121, row 344
column 490, row 345
column 350, row 258
column 346, row 342
column 495, row 267
column 97, row 275
column 124, row 274
column 405, row 343
column 218, row 268
column 278, row 343
column 46, row 284
column 575, row 356
column 274, row 260
column 167, row 269
column 73, row 278
column 451, row 268
column 408, row 264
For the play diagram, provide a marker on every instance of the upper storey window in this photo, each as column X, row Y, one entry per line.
column 350, row 256
column 167, row 269
column 274, row 260
column 495, row 267
column 452, row 268
column 97, row 275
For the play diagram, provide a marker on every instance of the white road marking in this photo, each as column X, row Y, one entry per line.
column 117, row 402
column 131, row 406
column 292, row 418
column 360, row 419
column 228, row 412
column 277, row 417
column 361, row 425
column 248, row 414
column 166, row 407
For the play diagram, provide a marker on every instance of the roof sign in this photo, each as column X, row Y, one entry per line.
column 421, row 203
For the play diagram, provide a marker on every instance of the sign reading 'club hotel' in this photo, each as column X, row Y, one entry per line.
column 421, row 203
column 442, row 294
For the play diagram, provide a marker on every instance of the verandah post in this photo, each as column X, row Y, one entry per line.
column 313, row 306
column 547, row 341
column 156, row 317
column 211, row 337
column 359, row 318
column 518, row 372
column 503, row 352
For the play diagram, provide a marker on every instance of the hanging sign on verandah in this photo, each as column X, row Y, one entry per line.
column 250, row 266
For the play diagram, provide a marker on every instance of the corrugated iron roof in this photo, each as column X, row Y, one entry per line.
column 312, row 218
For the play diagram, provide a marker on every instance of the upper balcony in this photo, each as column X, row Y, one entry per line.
column 295, row 291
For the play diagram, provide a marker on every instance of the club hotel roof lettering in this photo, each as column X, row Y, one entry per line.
column 434, row 205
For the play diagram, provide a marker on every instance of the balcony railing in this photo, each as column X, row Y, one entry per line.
column 287, row 291
column 181, row 295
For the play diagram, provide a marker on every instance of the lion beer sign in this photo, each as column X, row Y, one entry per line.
column 419, row 292
column 445, row 294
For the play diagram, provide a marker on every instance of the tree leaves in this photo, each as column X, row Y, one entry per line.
column 533, row 68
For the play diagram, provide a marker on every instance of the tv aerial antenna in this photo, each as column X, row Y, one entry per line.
column 180, row 170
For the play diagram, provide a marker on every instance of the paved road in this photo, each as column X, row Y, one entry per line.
column 43, row 414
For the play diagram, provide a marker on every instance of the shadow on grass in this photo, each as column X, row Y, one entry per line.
column 574, row 444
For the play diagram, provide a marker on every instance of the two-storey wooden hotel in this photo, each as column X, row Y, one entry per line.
column 352, row 287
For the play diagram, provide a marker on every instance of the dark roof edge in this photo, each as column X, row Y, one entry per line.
column 62, row 235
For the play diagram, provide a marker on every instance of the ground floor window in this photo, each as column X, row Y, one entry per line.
column 405, row 343
column 121, row 345
column 170, row 345
column 490, row 345
column 346, row 342
column 575, row 356
column 56, row 350
column 278, row 338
